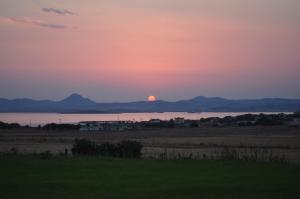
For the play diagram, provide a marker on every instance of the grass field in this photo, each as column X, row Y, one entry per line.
column 280, row 140
column 25, row 177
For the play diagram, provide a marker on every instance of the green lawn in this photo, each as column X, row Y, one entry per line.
column 90, row 177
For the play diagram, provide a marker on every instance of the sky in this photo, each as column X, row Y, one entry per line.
column 126, row 50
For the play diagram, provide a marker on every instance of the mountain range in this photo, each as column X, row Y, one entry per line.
column 75, row 103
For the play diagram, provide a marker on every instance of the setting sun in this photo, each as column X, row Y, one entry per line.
column 151, row 98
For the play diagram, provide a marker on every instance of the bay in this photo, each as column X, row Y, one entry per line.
column 35, row 119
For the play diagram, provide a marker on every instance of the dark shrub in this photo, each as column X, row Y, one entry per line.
column 129, row 149
column 84, row 147
column 4, row 125
column 245, row 117
column 54, row 126
column 296, row 114
column 269, row 121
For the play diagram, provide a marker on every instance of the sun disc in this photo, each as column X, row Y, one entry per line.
column 151, row 98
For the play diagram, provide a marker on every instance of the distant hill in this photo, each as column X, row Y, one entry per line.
column 76, row 100
column 75, row 103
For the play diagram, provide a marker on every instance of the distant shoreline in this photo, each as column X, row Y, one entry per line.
column 39, row 118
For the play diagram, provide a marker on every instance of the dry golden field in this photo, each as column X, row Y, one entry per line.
column 167, row 142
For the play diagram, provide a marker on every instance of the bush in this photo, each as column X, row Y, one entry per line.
column 84, row 147
column 57, row 127
column 4, row 125
column 125, row 149
column 269, row 121
column 129, row 149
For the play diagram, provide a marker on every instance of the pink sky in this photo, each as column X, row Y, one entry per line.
column 126, row 50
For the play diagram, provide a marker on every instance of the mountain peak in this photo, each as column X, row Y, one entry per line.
column 75, row 98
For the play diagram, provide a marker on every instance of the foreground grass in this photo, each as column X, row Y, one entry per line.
column 88, row 178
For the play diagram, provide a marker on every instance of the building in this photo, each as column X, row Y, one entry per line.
column 179, row 120
column 106, row 126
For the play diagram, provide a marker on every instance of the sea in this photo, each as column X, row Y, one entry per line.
column 35, row 119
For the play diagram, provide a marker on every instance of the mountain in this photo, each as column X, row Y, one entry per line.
column 75, row 103
column 76, row 100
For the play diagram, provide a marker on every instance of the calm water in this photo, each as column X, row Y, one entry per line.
column 35, row 119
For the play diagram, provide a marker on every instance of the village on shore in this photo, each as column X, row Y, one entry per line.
column 178, row 122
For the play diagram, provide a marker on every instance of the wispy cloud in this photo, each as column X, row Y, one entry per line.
column 58, row 11
column 40, row 23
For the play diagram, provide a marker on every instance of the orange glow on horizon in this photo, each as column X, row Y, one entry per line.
column 128, row 50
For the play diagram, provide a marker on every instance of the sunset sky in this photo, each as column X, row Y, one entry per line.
column 126, row 50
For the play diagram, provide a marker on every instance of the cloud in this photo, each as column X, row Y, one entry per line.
column 58, row 11
column 38, row 23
